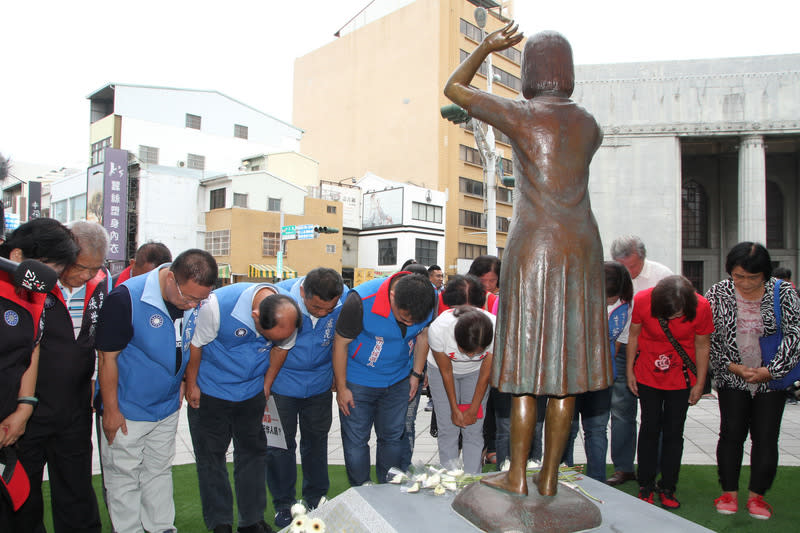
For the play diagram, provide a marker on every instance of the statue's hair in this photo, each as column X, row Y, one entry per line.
column 547, row 66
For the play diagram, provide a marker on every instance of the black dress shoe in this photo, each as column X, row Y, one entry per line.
column 620, row 477
column 223, row 528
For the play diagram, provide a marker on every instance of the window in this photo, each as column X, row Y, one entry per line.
column 469, row 155
column 218, row 242
column 505, row 195
column 506, row 166
column 239, row 199
column 77, row 207
column 195, row 161
column 502, row 224
column 239, row 131
column 508, row 79
column 693, row 271
column 513, row 54
column 60, row 211
column 470, row 251
column 273, row 204
column 193, row 121
column 330, row 248
column 148, row 154
column 774, row 216
column 483, row 69
column 331, row 209
column 501, row 137
column 387, row 251
column 217, row 199
column 425, row 251
column 98, row 150
column 468, row 186
column 472, row 219
column 270, row 243
column 694, row 215
column 426, row 212
column 470, row 30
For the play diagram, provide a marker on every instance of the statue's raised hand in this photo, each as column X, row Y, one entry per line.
column 505, row 37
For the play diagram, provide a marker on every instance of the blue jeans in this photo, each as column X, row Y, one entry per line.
column 212, row 425
column 385, row 408
column 410, row 429
column 594, row 408
column 623, row 419
column 315, row 417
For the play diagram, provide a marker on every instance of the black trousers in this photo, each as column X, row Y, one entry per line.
column 760, row 415
column 664, row 412
column 65, row 445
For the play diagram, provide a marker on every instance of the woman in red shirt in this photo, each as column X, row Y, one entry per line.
column 665, row 381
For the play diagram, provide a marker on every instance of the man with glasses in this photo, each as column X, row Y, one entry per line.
column 59, row 432
column 143, row 348
column 241, row 331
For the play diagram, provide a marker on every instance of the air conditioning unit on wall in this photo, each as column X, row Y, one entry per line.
column 181, row 164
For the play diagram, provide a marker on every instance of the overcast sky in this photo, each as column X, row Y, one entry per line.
column 56, row 52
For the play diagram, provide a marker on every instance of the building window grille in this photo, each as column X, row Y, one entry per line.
column 693, row 271
column 774, row 216
column 503, row 224
column 330, row 248
column 694, row 215
column 274, row 204
column 505, row 195
column 270, row 243
column 148, row 154
column 425, row 251
column 217, row 199
column 218, row 242
column 387, row 252
column 471, row 31
column 471, row 219
column 239, row 200
column 470, row 251
column 239, row 131
column 469, row 155
column 468, row 186
column 99, row 149
column 197, row 162
column 193, row 121
column 426, row 212
column 331, row 209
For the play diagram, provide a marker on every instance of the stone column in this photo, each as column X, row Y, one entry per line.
column 752, row 190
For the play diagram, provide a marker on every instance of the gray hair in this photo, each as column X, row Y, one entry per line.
column 627, row 245
column 91, row 237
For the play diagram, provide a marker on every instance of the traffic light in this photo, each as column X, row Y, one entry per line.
column 508, row 181
column 454, row 113
column 325, row 229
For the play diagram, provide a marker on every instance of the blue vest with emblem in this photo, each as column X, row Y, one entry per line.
column 308, row 369
column 149, row 383
column 234, row 363
column 381, row 356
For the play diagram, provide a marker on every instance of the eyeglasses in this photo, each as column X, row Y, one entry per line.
column 190, row 299
column 745, row 277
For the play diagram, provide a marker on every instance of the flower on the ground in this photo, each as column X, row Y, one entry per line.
column 298, row 509
column 439, row 490
column 316, row 526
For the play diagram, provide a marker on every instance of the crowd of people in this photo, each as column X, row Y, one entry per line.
column 160, row 333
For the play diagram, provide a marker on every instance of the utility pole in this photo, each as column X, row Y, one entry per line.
column 486, row 146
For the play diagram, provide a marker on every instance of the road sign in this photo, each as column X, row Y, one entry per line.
column 288, row 232
column 305, row 231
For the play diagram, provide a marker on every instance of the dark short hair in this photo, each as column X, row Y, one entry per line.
column 483, row 264
column 672, row 295
column 416, row 268
column 411, row 261
column 462, row 290
column 324, row 283
column 195, row 265
column 414, row 293
column 751, row 256
column 782, row 273
column 618, row 281
column 433, row 268
column 268, row 310
column 154, row 253
column 473, row 330
column 43, row 239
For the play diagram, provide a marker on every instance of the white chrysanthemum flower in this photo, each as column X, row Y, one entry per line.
column 455, row 473
column 298, row 524
column 432, row 481
column 398, row 478
column 421, row 477
column 316, row 526
column 413, row 488
column 298, row 509
column 532, row 464
column 505, row 466
column 450, row 485
column 439, row 490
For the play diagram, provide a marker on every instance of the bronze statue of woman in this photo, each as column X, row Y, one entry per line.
column 552, row 337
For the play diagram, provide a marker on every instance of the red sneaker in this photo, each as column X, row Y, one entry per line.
column 758, row 508
column 668, row 499
column 726, row 504
column 646, row 495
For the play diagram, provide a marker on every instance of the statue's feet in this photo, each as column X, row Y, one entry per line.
column 547, row 483
column 505, row 482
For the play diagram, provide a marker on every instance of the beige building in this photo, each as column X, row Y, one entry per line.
column 369, row 102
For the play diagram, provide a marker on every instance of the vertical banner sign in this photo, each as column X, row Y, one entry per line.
column 115, row 202
column 34, row 200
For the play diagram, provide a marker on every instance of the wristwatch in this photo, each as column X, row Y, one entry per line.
column 417, row 374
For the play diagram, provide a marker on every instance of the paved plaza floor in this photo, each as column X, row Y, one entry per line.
column 700, row 438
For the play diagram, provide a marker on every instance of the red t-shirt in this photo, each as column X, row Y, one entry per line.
column 659, row 365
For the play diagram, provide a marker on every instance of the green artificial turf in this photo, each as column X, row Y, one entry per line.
column 697, row 489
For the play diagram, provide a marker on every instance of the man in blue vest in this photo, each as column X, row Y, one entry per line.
column 302, row 391
column 379, row 353
column 239, row 329
column 143, row 349
column 59, row 433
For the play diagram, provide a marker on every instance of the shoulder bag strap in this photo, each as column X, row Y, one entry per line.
column 776, row 304
column 678, row 348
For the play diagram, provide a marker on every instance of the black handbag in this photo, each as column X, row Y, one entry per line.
column 687, row 361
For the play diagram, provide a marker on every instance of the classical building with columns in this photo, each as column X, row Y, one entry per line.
column 697, row 156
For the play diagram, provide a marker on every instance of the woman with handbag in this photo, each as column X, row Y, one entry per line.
column 667, row 362
column 745, row 314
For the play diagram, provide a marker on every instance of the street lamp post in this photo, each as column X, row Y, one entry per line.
column 486, row 147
